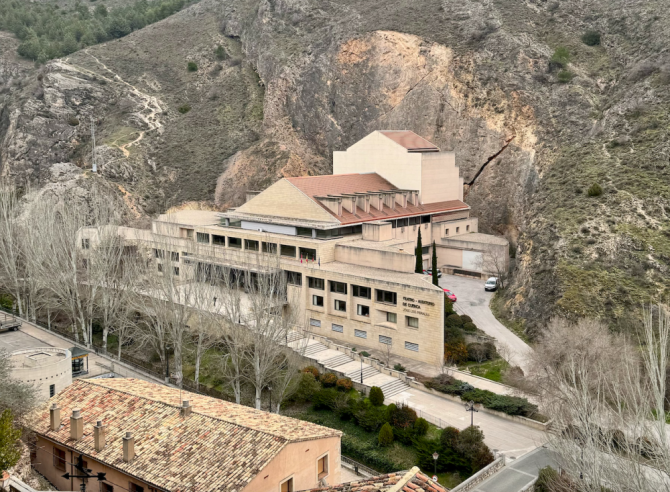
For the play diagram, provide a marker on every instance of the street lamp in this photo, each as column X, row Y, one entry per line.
column 470, row 407
column 361, row 369
column 435, row 457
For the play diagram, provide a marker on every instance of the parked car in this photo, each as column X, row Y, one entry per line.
column 491, row 284
column 450, row 295
column 430, row 272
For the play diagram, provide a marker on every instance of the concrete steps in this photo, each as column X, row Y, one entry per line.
column 337, row 361
column 392, row 388
column 314, row 348
column 368, row 372
column 294, row 336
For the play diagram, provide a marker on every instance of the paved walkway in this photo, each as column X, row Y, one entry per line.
column 519, row 473
column 474, row 301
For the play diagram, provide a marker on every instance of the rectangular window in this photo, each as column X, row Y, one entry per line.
column 457, row 229
column 270, row 248
column 287, row 486
column 174, row 255
column 425, row 219
column 52, row 390
column 293, row 278
column 308, row 254
column 84, row 263
column 160, row 267
column 360, row 333
column 414, row 220
column 235, row 242
column 393, row 223
column 218, row 240
column 316, row 283
column 467, row 228
column 251, row 245
column 159, row 253
column 59, row 459
column 385, row 340
column 340, row 305
column 317, row 301
column 425, row 250
column 387, row 297
column 175, row 271
column 338, row 328
column 304, row 231
column 402, row 222
column 133, row 487
column 189, row 233
column 412, row 322
column 362, row 310
column 414, row 347
column 287, row 250
column 85, row 243
column 322, row 467
column 202, row 237
column 446, row 232
column 105, row 487
column 364, row 292
column 391, row 318
column 315, row 322
column 338, row 287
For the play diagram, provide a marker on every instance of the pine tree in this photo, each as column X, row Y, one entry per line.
column 419, row 254
column 9, row 436
column 434, row 262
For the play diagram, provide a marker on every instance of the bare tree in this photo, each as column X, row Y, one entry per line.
column 495, row 260
column 12, row 259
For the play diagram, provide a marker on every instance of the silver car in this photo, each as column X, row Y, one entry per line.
column 491, row 284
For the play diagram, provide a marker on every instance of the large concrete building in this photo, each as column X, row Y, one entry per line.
column 346, row 242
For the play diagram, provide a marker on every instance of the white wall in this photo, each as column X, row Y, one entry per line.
column 473, row 260
column 278, row 229
column 440, row 177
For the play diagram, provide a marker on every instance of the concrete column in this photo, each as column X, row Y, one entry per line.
column 76, row 425
column 128, row 447
column 54, row 416
column 99, row 436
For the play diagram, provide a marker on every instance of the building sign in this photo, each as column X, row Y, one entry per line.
column 415, row 306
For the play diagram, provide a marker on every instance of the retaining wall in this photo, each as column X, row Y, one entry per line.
column 472, row 482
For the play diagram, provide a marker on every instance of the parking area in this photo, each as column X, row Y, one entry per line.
column 474, row 301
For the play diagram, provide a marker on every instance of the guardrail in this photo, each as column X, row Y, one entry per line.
column 358, row 468
column 481, row 475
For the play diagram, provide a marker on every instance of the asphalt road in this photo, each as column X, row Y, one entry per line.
column 474, row 301
column 518, row 474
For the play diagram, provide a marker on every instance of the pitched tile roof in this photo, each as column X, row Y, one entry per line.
column 406, row 481
column 339, row 184
column 410, row 140
column 220, row 446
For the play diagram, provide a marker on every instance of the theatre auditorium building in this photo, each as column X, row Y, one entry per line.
column 347, row 242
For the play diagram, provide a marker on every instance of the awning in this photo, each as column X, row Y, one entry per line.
column 78, row 353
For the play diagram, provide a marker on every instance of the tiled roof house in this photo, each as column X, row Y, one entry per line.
column 211, row 445
column 410, row 481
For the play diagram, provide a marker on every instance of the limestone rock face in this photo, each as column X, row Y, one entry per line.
column 302, row 78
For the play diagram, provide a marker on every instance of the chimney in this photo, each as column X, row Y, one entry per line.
column 186, row 408
column 54, row 414
column 99, row 436
column 76, row 425
column 128, row 447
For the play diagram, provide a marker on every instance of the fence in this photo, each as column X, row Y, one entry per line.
column 359, row 469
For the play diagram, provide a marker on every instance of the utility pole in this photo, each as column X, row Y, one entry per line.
column 95, row 165
column 470, row 407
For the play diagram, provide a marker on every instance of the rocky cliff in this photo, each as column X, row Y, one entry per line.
column 565, row 155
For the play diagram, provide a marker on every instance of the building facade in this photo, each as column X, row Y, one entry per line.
column 47, row 369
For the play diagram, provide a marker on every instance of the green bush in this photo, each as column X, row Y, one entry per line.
column 421, row 427
column 403, row 417
column 325, row 399
column 365, row 354
column 399, row 367
column 344, row 384
column 368, row 453
column 220, row 53
column 10, row 450
column 449, row 437
column 370, row 417
column 312, row 370
column 192, row 66
column 564, row 76
column 595, row 190
column 307, row 387
column 471, row 327
column 385, row 437
column 560, row 58
column 491, row 352
column 448, row 306
column 328, row 379
column 476, row 352
column 376, row 396
column 591, row 38
column 454, row 320
column 184, row 108
column 546, row 479
column 465, row 318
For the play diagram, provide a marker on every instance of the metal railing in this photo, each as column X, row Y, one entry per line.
column 359, row 469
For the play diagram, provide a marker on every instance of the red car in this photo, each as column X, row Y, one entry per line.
column 450, row 295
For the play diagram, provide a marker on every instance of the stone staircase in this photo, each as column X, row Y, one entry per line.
column 392, row 388
column 338, row 360
column 294, row 336
column 368, row 372
column 314, row 348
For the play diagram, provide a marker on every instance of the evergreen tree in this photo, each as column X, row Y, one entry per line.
column 9, row 436
column 419, row 254
column 434, row 262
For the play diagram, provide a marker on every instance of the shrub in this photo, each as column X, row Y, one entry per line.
column 591, row 38
column 465, row 318
column 370, row 417
column 324, row 399
column 476, row 352
column 453, row 334
column 344, row 384
column 220, row 53
column 448, row 306
column 365, row 354
column 595, row 190
column 73, row 121
column 192, row 66
column 184, row 108
column 455, row 352
column 471, row 446
column 307, row 387
column 328, row 380
column 399, row 367
column 385, row 437
column 491, row 352
column 421, row 427
column 469, row 327
column 454, row 320
column 313, row 370
column 376, row 396
column 402, row 417
column 369, row 453
column 449, row 437
column 10, row 451
column 546, row 479
column 564, row 76
column 560, row 58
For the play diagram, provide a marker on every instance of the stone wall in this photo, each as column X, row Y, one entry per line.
column 472, row 482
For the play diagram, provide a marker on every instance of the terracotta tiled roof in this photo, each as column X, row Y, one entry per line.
column 211, row 449
column 410, row 140
column 338, row 184
column 407, row 481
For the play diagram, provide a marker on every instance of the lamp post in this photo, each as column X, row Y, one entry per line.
column 470, row 407
column 167, row 364
column 435, row 457
column 361, row 369
column 270, row 390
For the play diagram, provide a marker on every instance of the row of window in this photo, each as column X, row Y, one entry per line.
column 467, row 229
column 421, row 219
column 386, row 340
column 160, row 254
column 364, row 311
column 254, row 245
column 385, row 296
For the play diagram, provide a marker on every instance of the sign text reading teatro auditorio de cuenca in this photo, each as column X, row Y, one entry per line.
column 410, row 305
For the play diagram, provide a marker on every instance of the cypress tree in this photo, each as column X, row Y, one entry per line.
column 434, row 262
column 419, row 254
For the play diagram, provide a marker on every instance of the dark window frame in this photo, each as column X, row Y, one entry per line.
column 340, row 303
column 317, row 299
column 356, row 291
column 59, row 459
column 381, row 297
column 270, row 248
column 316, row 283
column 201, row 236
column 307, row 253
column 255, row 245
column 358, row 310
column 218, row 240
column 293, row 278
column 334, row 284
column 284, row 247
column 233, row 242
